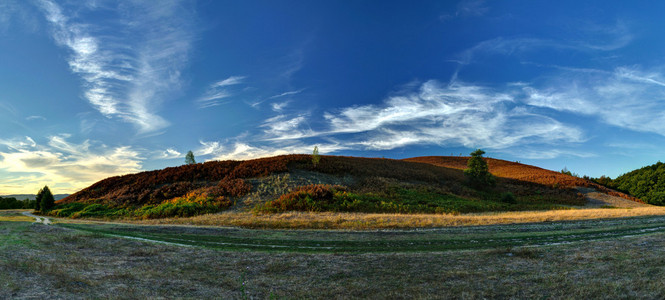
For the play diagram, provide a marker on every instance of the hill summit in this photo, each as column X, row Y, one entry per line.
column 291, row 182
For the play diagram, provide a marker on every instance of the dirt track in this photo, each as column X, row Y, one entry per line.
column 596, row 199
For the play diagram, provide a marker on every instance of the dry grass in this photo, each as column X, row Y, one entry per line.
column 15, row 216
column 38, row 261
column 300, row 220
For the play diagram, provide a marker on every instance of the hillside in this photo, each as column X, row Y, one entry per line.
column 343, row 184
column 647, row 183
column 525, row 173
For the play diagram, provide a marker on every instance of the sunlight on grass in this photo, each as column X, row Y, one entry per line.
column 14, row 216
column 328, row 220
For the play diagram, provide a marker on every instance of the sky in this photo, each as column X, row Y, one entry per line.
column 92, row 89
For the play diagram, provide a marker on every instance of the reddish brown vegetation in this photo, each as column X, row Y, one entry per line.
column 525, row 173
column 227, row 178
column 157, row 186
column 298, row 199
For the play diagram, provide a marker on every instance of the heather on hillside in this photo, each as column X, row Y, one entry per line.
column 336, row 183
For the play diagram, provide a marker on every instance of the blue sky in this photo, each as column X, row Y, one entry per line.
column 106, row 88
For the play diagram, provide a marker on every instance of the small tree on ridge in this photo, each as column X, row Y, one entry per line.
column 316, row 158
column 189, row 158
column 478, row 172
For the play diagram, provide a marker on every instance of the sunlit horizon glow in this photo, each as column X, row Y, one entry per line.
column 107, row 88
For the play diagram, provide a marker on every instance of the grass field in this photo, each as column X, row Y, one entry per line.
column 612, row 258
column 355, row 221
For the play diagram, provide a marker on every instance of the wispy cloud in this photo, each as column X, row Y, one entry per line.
column 169, row 153
column 218, row 91
column 241, row 150
column 283, row 127
column 209, row 148
column 628, row 97
column 472, row 8
column 290, row 93
column 14, row 14
column 467, row 8
column 598, row 38
column 279, row 106
column 130, row 60
column 233, row 80
column 32, row 118
column 65, row 166
column 456, row 114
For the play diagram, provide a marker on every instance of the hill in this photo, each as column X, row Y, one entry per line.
column 525, row 173
column 647, row 183
column 22, row 197
column 344, row 184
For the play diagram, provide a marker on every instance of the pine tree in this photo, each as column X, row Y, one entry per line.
column 189, row 158
column 316, row 158
column 478, row 171
column 47, row 201
column 38, row 199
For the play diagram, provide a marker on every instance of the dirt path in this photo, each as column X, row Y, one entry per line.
column 596, row 199
column 38, row 219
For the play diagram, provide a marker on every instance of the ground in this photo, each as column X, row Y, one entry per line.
column 617, row 258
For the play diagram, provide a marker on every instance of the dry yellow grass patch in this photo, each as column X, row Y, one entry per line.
column 14, row 215
column 376, row 221
column 15, row 219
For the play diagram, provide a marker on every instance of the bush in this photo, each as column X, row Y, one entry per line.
column 508, row 197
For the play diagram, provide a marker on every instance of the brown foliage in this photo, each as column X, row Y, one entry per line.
column 521, row 172
column 234, row 187
column 226, row 178
column 299, row 198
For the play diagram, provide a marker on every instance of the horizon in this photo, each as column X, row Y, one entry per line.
column 106, row 88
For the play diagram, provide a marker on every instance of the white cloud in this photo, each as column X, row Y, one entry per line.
column 66, row 167
column 291, row 93
column 283, row 127
column 233, row 80
column 628, row 97
column 218, row 91
column 243, row 151
column 471, row 8
column 32, row 118
column 209, row 148
column 456, row 114
column 169, row 153
column 602, row 37
column 130, row 61
column 279, row 106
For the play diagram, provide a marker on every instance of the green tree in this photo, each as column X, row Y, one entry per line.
column 189, row 158
column 316, row 158
column 47, row 201
column 38, row 199
column 478, row 173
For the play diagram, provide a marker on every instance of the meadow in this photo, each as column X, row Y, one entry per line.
column 594, row 259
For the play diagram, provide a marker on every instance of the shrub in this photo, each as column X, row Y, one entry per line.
column 233, row 187
column 508, row 197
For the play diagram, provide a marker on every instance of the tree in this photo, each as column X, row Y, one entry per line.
column 189, row 158
column 38, row 199
column 316, row 158
column 47, row 201
column 478, row 173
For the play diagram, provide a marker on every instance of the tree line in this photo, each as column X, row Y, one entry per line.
column 43, row 202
